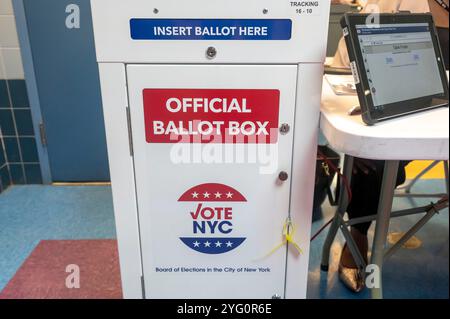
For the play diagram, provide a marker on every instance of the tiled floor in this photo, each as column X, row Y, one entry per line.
column 44, row 275
column 419, row 273
column 29, row 214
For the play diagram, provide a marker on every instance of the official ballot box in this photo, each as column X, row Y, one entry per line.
column 212, row 116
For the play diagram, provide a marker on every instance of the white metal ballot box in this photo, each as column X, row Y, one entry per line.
column 212, row 116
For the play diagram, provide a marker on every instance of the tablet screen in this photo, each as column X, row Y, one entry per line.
column 400, row 62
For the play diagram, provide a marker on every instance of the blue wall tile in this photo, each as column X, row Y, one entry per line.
column 4, row 98
column 12, row 149
column 16, row 128
column 24, row 122
column 7, row 122
column 29, row 150
column 19, row 95
column 33, row 173
column 17, row 176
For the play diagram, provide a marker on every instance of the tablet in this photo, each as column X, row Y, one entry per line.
column 397, row 64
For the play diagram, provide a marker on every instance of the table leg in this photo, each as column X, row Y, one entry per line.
column 342, row 208
column 411, row 184
column 383, row 219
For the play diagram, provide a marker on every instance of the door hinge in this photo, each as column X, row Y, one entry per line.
column 43, row 134
column 143, row 287
column 130, row 132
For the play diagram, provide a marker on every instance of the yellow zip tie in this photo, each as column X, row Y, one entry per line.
column 289, row 231
column 289, row 235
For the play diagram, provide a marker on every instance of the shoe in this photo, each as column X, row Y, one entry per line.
column 352, row 278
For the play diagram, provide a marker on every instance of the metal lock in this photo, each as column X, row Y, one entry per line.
column 211, row 52
column 283, row 176
column 285, row 129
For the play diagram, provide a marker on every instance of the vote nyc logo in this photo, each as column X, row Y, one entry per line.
column 212, row 218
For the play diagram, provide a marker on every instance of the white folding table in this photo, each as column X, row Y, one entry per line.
column 422, row 136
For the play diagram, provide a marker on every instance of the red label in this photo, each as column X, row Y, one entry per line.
column 212, row 193
column 211, row 116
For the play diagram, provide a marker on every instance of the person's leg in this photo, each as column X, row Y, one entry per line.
column 366, row 185
column 366, row 188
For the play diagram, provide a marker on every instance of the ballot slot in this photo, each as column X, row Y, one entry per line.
column 173, row 31
column 208, row 153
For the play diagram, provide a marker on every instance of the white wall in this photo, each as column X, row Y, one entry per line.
column 11, row 67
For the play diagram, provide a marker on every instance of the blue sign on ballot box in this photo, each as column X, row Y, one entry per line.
column 211, row 29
